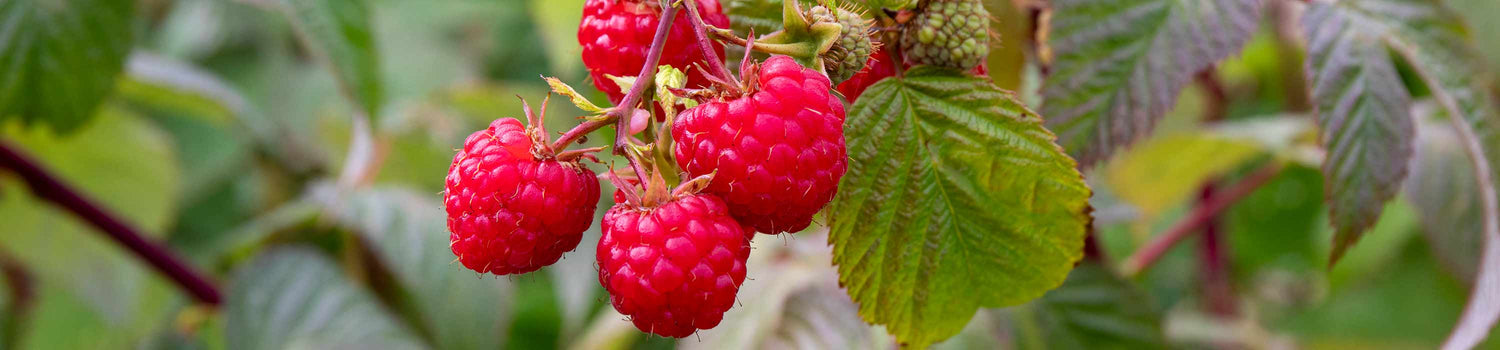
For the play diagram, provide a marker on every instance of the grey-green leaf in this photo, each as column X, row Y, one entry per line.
column 1094, row 309
column 60, row 58
column 294, row 297
column 454, row 305
column 1434, row 40
column 339, row 32
column 1364, row 117
column 1120, row 64
column 1443, row 191
column 956, row 198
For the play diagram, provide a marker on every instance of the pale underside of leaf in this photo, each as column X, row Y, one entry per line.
column 457, row 308
column 1121, row 64
column 296, row 298
column 1364, row 117
column 956, row 198
column 1434, row 41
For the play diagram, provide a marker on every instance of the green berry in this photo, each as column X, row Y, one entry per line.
column 948, row 33
column 849, row 53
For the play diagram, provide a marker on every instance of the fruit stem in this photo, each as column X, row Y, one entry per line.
column 47, row 186
column 762, row 47
column 643, row 80
column 583, row 129
column 1201, row 215
column 715, row 63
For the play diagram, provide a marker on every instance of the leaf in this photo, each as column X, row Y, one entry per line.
column 1094, row 309
column 458, row 308
column 339, row 32
column 1167, row 170
column 956, row 198
column 1434, row 41
column 1365, row 120
column 293, row 297
column 763, row 16
column 1441, row 188
column 797, row 304
column 1121, row 64
column 119, row 162
column 59, row 58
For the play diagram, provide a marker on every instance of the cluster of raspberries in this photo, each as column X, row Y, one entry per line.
column 772, row 152
column 775, row 152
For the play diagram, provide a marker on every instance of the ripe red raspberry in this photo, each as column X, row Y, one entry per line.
column 511, row 211
column 879, row 67
column 615, row 35
column 777, row 154
column 674, row 268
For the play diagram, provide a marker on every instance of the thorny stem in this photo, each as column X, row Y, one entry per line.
column 1198, row 218
column 619, row 115
column 47, row 186
column 643, row 80
column 715, row 64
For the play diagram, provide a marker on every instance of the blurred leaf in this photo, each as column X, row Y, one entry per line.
column 1094, row 309
column 950, row 176
column 1364, row 114
column 60, row 320
column 538, row 317
column 764, row 16
column 1276, row 227
column 557, row 24
column 295, row 298
column 162, row 85
column 796, row 304
column 1434, row 41
column 1121, row 63
column 339, row 31
column 59, row 58
column 1382, row 246
column 1442, row 189
column 121, row 163
column 1167, row 170
column 458, row 308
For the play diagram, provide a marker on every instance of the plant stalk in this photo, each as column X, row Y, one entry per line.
column 1201, row 215
column 49, row 187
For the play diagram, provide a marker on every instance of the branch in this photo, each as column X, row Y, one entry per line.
column 1198, row 218
column 643, row 80
column 47, row 186
column 715, row 63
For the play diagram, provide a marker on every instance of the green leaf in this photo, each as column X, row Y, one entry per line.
column 59, row 58
column 295, row 298
column 1167, row 170
column 1121, row 64
column 408, row 232
column 1094, row 309
column 121, row 163
column 339, row 33
column 1365, row 119
column 764, row 16
column 956, row 198
column 1434, row 41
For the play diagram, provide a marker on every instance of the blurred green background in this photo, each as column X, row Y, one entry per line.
column 225, row 135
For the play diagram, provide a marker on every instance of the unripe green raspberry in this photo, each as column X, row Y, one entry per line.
column 948, row 33
column 853, row 48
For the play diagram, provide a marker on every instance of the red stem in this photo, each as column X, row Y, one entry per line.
column 643, row 80
column 1201, row 215
column 1217, row 290
column 47, row 186
column 715, row 63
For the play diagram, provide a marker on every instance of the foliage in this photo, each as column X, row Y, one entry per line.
column 292, row 151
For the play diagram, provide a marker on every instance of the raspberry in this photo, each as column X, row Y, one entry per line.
column 616, row 35
column 948, row 33
column 777, row 154
column 674, row 268
column 511, row 211
column 879, row 68
column 849, row 53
